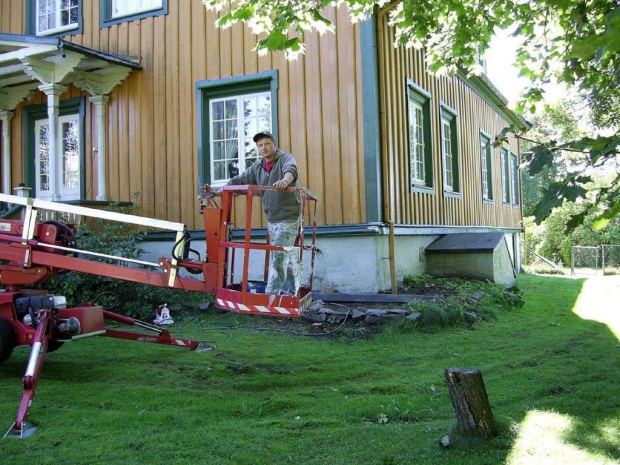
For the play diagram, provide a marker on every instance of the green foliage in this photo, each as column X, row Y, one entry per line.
column 279, row 25
column 394, row 412
column 436, row 315
column 551, row 239
column 572, row 185
column 570, row 206
column 458, row 300
column 136, row 300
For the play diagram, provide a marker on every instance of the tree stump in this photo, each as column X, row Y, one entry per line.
column 470, row 401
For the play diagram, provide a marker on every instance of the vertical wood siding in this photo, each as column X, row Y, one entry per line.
column 152, row 116
column 474, row 115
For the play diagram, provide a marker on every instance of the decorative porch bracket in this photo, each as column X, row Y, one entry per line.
column 51, row 65
column 99, row 86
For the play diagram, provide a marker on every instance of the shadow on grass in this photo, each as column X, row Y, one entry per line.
column 569, row 369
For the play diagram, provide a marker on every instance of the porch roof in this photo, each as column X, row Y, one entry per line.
column 26, row 62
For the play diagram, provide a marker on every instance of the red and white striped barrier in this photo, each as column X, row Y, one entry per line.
column 278, row 306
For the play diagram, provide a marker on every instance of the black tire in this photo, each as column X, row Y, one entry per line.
column 7, row 340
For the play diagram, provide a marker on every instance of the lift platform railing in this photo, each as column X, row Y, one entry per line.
column 240, row 296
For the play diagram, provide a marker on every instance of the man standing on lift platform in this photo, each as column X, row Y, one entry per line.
column 277, row 168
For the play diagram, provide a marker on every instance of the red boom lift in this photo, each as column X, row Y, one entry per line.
column 33, row 250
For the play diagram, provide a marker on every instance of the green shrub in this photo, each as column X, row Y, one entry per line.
column 131, row 299
column 458, row 299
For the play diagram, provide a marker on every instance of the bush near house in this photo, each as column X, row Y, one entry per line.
column 128, row 298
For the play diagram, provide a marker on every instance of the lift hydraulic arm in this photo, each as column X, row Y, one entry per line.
column 34, row 250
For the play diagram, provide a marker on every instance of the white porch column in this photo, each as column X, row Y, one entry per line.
column 6, row 117
column 101, row 102
column 53, row 92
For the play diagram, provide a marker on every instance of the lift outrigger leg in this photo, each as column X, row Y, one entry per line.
column 49, row 320
column 21, row 428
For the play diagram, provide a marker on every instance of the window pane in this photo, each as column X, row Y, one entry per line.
column 264, row 105
column 70, row 155
column 250, row 153
column 131, row 7
column 416, row 141
column 46, row 15
column 44, row 158
column 515, row 180
column 250, row 127
column 219, row 170
column 217, row 111
column 219, row 150
column 447, row 152
column 231, row 150
column 249, row 107
column 73, row 17
column 230, row 109
column 231, row 127
column 264, row 123
column 218, row 130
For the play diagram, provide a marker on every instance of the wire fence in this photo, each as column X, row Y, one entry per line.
column 610, row 259
column 603, row 259
column 585, row 260
column 593, row 260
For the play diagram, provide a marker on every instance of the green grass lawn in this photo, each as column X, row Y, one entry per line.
column 551, row 370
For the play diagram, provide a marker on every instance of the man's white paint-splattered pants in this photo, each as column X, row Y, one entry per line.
column 286, row 268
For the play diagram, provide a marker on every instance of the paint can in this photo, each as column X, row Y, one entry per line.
column 257, row 287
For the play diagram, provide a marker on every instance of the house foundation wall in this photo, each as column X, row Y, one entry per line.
column 347, row 264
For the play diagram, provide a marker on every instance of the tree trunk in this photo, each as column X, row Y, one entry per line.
column 470, row 401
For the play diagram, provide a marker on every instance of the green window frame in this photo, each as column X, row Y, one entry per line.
column 419, row 138
column 111, row 13
column 52, row 18
column 222, row 131
column 506, row 179
column 486, row 167
column 36, row 113
column 450, row 151
column 516, row 188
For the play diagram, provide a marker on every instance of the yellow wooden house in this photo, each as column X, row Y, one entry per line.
column 103, row 99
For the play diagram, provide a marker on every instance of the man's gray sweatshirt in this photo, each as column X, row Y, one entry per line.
column 278, row 206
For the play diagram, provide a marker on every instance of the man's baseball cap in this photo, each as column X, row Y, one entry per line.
column 262, row 135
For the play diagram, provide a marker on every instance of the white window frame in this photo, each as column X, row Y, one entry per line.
column 506, row 175
column 418, row 133
column 58, row 16
column 243, row 137
column 449, row 146
column 514, row 165
column 417, row 144
column 124, row 8
column 485, row 164
column 65, row 193
column 448, row 156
